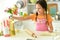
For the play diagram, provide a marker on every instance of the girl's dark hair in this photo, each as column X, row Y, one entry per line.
column 43, row 3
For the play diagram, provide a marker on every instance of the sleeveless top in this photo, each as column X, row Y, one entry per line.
column 41, row 23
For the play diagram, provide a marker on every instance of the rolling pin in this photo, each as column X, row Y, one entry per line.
column 30, row 33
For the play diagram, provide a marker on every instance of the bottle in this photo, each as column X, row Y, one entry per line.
column 12, row 29
column 25, row 14
column 6, row 32
column 1, row 31
column 21, row 14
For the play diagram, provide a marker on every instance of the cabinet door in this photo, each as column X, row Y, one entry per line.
column 52, row 9
column 56, row 26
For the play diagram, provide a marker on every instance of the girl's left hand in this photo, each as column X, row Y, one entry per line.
column 50, row 31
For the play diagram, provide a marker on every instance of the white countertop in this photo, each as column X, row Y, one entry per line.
column 22, row 35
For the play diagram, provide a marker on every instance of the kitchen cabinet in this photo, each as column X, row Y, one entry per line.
column 52, row 9
column 56, row 25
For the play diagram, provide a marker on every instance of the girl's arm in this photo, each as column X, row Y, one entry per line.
column 49, row 18
column 51, row 27
column 21, row 18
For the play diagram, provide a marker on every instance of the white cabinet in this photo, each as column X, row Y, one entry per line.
column 56, row 26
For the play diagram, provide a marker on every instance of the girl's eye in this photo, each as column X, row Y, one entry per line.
column 38, row 8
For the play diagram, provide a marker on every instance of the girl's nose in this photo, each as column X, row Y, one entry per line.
column 37, row 9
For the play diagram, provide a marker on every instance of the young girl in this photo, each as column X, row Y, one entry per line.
column 42, row 19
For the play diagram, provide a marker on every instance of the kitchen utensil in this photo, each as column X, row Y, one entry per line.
column 28, row 31
column 46, row 33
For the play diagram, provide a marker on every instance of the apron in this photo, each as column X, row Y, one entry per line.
column 41, row 24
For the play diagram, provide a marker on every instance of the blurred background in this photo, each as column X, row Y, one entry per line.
column 30, row 6
column 25, row 8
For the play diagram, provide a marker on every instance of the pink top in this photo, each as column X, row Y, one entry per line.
column 41, row 24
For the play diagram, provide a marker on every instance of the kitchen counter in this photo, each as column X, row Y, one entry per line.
column 22, row 35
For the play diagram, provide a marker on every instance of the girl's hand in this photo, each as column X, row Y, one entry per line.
column 50, row 31
column 10, row 16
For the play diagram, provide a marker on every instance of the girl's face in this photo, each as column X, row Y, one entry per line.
column 39, row 9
